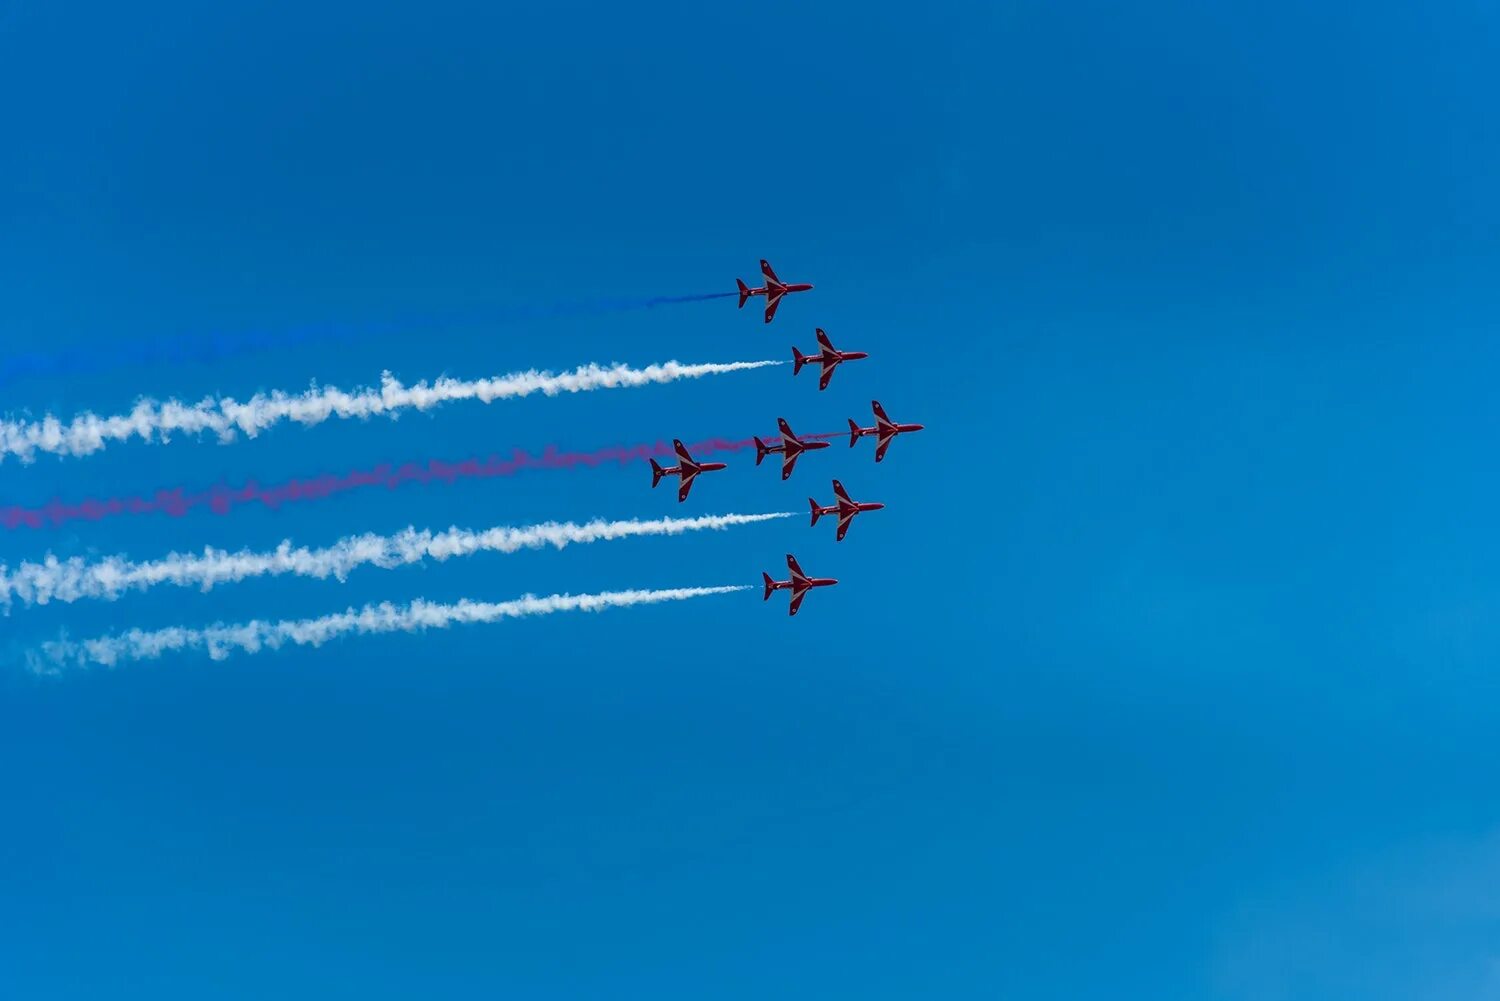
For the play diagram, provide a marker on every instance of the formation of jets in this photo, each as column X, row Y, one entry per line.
column 790, row 447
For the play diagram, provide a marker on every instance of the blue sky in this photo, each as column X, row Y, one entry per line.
column 1167, row 671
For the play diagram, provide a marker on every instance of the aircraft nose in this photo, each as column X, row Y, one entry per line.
column 918, row 427
column 876, row 507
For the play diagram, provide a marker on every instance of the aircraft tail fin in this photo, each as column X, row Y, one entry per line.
column 853, row 432
column 760, row 451
column 769, row 585
column 744, row 292
column 815, row 510
column 656, row 473
column 798, row 360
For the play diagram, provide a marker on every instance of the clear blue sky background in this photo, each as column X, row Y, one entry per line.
column 1169, row 671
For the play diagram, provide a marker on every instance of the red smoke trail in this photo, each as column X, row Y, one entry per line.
column 221, row 500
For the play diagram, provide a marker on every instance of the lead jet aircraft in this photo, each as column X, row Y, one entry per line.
column 791, row 446
column 799, row 584
column 885, row 430
column 845, row 508
column 828, row 356
column 686, row 469
column 773, row 289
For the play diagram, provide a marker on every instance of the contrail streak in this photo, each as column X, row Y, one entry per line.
column 153, row 420
column 78, row 579
column 177, row 502
column 220, row 640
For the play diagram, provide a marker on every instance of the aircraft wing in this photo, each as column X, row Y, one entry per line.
column 881, row 444
column 682, row 455
column 773, row 299
column 844, row 520
column 685, row 486
column 825, row 343
column 880, row 417
column 765, row 269
column 788, row 460
column 828, row 367
column 840, row 492
column 791, row 564
column 797, row 597
column 785, row 429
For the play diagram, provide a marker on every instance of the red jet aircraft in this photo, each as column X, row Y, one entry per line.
column 845, row 508
column 828, row 356
column 791, row 446
column 799, row 584
column 885, row 430
column 686, row 469
column 773, row 289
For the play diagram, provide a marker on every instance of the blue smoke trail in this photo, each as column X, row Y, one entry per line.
column 202, row 349
column 172, row 350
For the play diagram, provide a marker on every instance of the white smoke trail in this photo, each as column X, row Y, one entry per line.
column 77, row 579
column 220, row 640
column 153, row 420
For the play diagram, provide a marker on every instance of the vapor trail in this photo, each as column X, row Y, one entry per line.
column 220, row 640
column 177, row 502
column 151, row 420
column 78, row 579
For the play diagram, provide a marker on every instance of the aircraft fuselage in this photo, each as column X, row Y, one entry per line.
column 779, row 289
column 837, row 357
